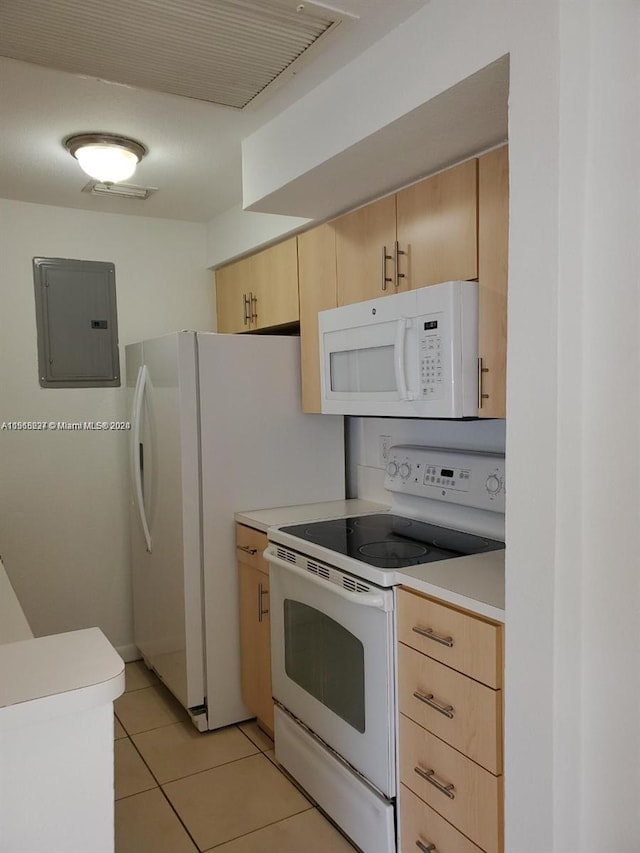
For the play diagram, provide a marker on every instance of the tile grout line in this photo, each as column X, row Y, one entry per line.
column 215, row 767
column 257, row 746
column 311, row 804
column 160, row 788
column 259, row 829
column 160, row 784
column 153, row 776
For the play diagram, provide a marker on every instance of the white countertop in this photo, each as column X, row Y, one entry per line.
column 475, row 583
column 262, row 519
column 45, row 677
column 42, row 677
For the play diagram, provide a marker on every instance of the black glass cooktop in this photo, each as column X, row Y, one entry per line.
column 391, row 541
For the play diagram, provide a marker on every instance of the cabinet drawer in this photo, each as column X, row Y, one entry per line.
column 464, row 642
column 472, row 801
column 470, row 715
column 419, row 824
column 250, row 545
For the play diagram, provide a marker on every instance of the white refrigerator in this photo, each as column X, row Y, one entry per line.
column 216, row 428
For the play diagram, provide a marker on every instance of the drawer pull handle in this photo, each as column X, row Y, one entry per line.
column 426, row 848
column 430, row 634
column 247, row 549
column 428, row 699
column 430, row 777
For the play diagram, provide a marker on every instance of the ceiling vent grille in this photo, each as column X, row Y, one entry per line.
column 119, row 190
column 222, row 51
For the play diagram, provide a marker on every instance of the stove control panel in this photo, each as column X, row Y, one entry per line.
column 466, row 478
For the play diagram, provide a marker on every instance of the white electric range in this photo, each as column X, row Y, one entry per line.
column 332, row 626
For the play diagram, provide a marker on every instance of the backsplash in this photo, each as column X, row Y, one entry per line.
column 365, row 469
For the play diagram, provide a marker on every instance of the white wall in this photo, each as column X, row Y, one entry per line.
column 64, row 495
column 597, row 648
column 237, row 232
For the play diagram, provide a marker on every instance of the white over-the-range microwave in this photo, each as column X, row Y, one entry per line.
column 412, row 354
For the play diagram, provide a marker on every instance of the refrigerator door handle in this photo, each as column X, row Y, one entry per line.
column 138, row 399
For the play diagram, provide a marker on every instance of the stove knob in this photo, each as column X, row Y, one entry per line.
column 493, row 484
column 392, row 469
column 405, row 470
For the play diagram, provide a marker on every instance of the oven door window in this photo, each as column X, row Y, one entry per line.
column 326, row 660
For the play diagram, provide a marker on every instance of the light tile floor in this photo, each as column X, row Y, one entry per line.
column 181, row 791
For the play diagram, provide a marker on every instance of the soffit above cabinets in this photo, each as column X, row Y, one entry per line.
column 223, row 51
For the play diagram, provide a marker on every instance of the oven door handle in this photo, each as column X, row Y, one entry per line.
column 365, row 599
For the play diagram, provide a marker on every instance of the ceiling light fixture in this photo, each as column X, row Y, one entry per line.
column 104, row 156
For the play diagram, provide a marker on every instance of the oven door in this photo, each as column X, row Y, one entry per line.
column 332, row 660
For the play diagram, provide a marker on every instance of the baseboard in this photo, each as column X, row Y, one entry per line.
column 129, row 653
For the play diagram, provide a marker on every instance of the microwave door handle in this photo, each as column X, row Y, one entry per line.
column 399, row 352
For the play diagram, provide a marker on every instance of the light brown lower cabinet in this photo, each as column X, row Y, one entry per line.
column 461, row 791
column 459, row 710
column 255, row 639
column 450, row 732
column 423, row 829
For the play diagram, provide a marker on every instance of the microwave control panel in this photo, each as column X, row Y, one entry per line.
column 431, row 369
column 464, row 478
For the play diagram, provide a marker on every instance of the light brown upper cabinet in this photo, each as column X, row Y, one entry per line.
column 422, row 235
column 259, row 292
column 275, row 287
column 365, row 241
column 232, row 290
column 318, row 291
column 437, row 228
column 493, row 263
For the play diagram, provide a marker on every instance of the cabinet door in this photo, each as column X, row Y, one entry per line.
column 255, row 643
column 365, row 242
column 275, row 286
column 318, row 291
column 438, row 226
column 493, row 260
column 233, row 284
column 264, row 708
